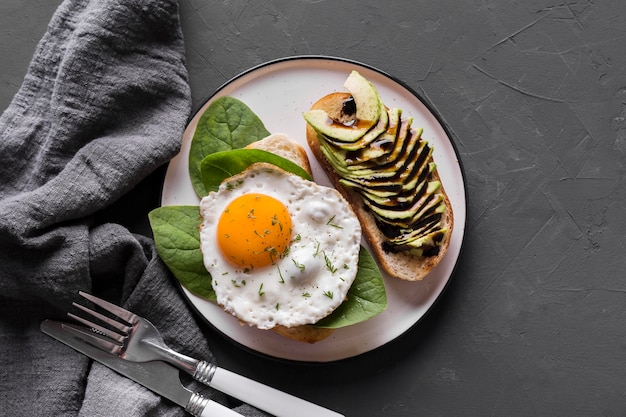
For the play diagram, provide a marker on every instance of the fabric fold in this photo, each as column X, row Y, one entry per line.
column 102, row 106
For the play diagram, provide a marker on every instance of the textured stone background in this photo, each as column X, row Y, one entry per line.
column 534, row 95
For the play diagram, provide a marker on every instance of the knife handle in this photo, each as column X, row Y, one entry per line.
column 202, row 407
column 266, row 398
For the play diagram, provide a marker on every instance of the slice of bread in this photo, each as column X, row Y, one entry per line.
column 280, row 144
column 397, row 264
column 305, row 333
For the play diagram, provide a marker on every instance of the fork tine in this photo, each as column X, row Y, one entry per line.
column 100, row 329
column 124, row 329
column 93, row 339
column 118, row 311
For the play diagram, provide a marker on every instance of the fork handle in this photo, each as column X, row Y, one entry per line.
column 263, row 397
column 203, row 407
column 204, row 372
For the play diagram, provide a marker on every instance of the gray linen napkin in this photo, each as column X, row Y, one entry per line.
column 103, row 104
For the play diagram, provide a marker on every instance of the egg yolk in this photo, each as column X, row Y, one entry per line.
column 254, row 231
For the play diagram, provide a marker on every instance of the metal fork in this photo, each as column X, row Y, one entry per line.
column 135, row 339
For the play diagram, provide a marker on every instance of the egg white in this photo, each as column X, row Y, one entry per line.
column 307, row 284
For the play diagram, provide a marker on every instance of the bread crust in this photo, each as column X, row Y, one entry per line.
column 306, row 333
column 280, row 144
column 397, row 264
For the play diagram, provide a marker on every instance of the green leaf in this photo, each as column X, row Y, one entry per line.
column 218, row 166
column 177, row 240
column 226, row 124
column 366, row 298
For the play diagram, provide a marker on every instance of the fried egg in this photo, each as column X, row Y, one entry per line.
column 281, row 250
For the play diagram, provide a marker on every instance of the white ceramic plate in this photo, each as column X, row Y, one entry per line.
column 279, row 92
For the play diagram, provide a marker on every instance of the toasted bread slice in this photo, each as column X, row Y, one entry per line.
column 280, row 144
column 305, row 333
column 397, row 264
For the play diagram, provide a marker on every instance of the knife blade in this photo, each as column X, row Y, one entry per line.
column 157, row 376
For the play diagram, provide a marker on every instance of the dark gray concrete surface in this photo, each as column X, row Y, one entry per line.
column 534, row 95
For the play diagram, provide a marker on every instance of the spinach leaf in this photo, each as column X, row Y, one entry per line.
column 229, row 125
column 177, row 241
column 218, row 166
column 226, row 124
column 366, row 298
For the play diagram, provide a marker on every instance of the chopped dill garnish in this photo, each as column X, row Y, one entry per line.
column 273, row 253
column 317, row 250
column 300, row 266
column 329, row 264
column 275, row 222
column 231, row 186
column 330, row 223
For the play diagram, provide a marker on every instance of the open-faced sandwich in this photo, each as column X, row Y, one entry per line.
column 385, row 169
column 282, row 251
column 270, row 246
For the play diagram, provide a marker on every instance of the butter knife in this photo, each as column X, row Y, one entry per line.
column 157, row 376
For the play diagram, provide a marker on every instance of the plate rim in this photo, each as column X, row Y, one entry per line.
column 434, row 113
